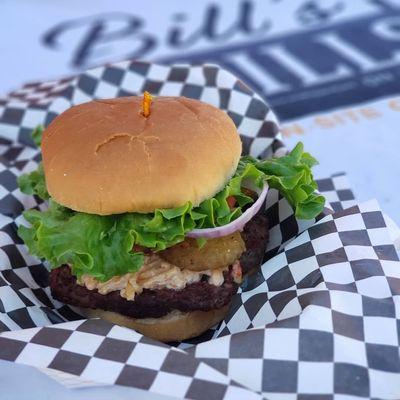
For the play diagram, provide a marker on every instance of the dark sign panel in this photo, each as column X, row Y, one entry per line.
column 337, row 65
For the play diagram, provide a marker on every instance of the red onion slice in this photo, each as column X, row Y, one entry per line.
column 234, row 226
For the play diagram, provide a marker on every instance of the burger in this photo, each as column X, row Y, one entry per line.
column 154, row 218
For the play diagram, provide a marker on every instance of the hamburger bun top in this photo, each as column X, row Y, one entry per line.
column 104, row 157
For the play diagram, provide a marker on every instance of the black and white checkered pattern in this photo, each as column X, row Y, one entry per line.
column 337, row 192
column 327, row 313
column 321, row 319
column 255, row 121
column 114, row 355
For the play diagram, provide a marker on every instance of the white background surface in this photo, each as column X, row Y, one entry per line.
column 20, row 382
column 363, row 141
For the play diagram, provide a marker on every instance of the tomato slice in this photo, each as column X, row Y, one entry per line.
column 249, row 193
column 231, row 201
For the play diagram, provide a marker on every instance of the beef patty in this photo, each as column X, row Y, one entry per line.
column 157, row 303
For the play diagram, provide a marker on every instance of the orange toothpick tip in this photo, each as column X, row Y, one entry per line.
column 146, row 103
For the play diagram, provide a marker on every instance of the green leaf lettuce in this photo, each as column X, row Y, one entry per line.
column 34, row 183
column 102, row 246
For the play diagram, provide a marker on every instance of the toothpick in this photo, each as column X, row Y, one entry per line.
column 147, row 99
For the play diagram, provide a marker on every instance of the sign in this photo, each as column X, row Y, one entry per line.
column 304, row 56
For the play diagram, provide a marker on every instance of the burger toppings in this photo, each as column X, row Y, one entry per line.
column 214, row 254
column 231, row 201
column 155, row 273
column 237, row 224
column 104, row 246
column 237, row 272
column 148, row 304
column 200, row 295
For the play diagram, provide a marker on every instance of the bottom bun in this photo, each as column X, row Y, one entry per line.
column 175, row 326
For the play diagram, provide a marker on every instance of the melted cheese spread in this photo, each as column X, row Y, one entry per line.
column 155, row 273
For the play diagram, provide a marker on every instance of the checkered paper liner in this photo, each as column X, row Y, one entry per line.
column 320, row 320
